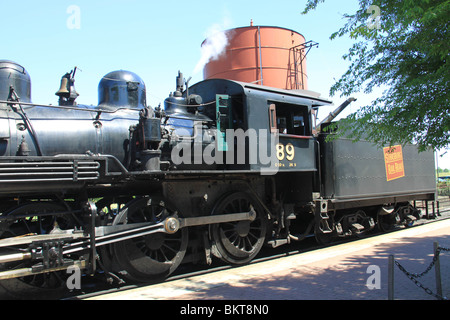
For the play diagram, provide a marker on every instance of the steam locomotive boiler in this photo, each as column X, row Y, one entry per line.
column 132, row 192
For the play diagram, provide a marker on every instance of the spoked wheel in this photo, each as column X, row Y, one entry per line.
column 152, row 257
column 239, row 242
column 46, row 283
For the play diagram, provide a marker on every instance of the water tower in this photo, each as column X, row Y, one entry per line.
column 270, row 56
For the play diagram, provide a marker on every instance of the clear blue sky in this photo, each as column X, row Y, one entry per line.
column 155, row 39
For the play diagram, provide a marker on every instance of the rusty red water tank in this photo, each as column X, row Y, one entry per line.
column 270, row 56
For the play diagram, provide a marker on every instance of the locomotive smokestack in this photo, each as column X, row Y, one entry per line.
column 180, row 85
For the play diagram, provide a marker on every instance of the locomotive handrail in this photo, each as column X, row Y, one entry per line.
column 69, row 108
column 95, row 157
column 294, row 136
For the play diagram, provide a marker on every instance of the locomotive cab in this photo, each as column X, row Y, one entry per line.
column 276, row 124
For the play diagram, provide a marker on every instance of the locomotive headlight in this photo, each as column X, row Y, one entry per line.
column 171, row 225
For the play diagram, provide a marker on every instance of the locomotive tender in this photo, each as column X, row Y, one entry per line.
column 225, row 168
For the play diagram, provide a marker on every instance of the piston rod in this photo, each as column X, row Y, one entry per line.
column 15, row 257
column 16, row 273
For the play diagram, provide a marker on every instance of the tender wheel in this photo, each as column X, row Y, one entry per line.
column 324, row 230
column 366, row 222
column 239, row 242
column 386, row 219
column 151, row 257
column 323, row 238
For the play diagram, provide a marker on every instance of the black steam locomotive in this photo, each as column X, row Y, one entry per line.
column 224, row 168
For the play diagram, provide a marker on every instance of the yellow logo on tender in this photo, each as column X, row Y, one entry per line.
column 393, row 159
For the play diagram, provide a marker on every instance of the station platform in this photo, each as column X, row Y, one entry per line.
column 356, row 270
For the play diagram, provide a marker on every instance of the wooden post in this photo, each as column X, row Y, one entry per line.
column 391, row 278
column 437, row 268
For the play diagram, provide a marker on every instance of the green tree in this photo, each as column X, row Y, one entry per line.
column 407, row 53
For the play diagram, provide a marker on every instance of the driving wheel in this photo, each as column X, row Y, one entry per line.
column 240, row 241
column 151, row 257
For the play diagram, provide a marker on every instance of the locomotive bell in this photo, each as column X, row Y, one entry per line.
column 64, row 88
column 67, row 93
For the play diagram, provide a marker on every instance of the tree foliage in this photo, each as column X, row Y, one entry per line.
column 408, row 55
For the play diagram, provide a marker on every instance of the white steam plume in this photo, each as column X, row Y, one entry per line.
column 214, row 45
